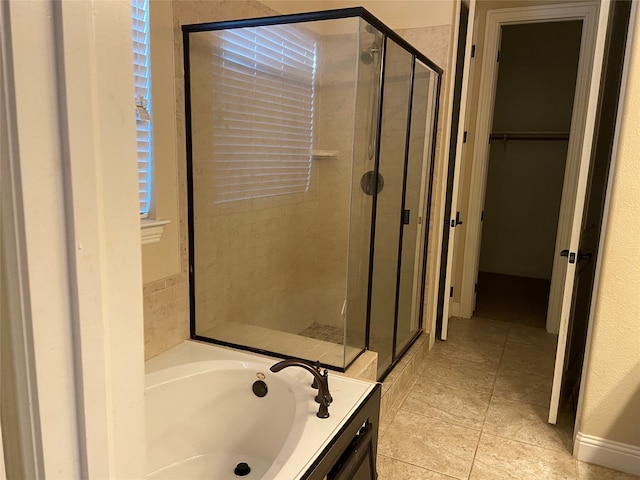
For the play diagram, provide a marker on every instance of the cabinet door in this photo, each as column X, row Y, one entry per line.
column 358, row 461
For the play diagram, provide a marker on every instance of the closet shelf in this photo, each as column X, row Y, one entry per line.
column 545, row 136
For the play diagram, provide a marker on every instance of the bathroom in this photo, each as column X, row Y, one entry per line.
column 110, row 295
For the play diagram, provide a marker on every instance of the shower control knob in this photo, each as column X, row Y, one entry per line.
column 370, row 183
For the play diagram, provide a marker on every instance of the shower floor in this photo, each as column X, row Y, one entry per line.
column 328, row 333
column 331, row 333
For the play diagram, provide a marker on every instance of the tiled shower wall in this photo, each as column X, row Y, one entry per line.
column 277, row 262
column 255, row 258
column 166, row 307
column 166, row 301
column 336, row 113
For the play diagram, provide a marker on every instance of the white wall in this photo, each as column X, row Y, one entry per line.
column 162, row 259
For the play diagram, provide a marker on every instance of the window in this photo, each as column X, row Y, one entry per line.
column 263, row 101
column 140, row 14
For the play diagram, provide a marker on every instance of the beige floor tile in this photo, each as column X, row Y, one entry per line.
column 459, row 373
column 523, row 387
column 480, row 329
column 527, row 423
column 586, row 471
column 502, row 459
column 528, row 359
column 471, row 350
column 537, row 337
column 453, row 404
column 392, row 469
column 430, row 443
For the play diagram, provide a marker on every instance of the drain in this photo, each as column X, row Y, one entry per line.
column 242, row 469
column 259, row 388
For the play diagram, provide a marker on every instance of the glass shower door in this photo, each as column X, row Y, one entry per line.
column 415, row 208
column 388, row 206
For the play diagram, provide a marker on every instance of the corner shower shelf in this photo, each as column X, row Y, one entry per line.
column 323, row 154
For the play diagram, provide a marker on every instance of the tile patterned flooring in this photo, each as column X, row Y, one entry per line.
column 333, row 334
column 478, row 410
column 328, row 333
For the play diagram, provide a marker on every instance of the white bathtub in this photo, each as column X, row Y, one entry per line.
column 203, row 418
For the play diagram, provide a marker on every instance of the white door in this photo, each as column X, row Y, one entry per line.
column 460, row 148
column 572, row 247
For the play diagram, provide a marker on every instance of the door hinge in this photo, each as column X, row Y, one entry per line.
column 489, row 139
column 498, row 56
column 464, row 137
column 451, row 292
column 406, row 217
column 482, row 216
column 473, row 51
column 475, row 288
column 456, row 221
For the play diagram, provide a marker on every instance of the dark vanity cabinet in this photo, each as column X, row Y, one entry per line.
column 358, row 462
column 351, row 454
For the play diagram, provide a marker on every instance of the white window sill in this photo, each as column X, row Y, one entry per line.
column 151, row 230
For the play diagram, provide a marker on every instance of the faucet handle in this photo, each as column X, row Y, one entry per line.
column 328, row 397
column 317, row 367
column 326, row 384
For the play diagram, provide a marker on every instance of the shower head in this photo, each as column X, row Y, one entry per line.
column 371, row 29
column 369, row 55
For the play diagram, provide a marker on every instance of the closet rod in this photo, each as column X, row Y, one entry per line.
column 529, row 136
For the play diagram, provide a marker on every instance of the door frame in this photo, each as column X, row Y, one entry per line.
column 438, row 223
column 578, row 151
column 70, row 242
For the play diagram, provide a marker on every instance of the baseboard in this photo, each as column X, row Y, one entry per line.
column 454, row 310
column 607, row 453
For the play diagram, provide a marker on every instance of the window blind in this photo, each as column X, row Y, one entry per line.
column 263, row 101
column 140, row 17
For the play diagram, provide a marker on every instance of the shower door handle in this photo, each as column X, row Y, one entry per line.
column 406, row 217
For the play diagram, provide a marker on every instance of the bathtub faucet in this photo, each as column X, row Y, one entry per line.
column 320, row 379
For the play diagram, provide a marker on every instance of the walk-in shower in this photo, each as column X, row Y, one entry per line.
column 310, row 145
